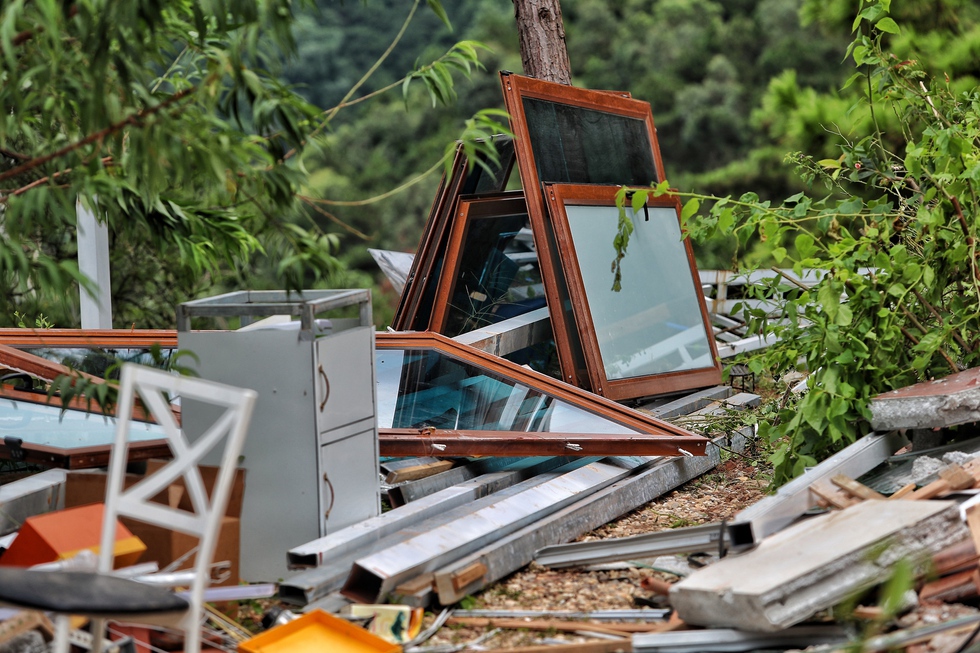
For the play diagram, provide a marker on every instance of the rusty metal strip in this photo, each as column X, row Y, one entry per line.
column 413, row 442
column 110, row 338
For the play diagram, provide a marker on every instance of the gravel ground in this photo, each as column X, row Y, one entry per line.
column 718, row 495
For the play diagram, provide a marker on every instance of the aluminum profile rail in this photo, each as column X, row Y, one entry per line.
column 508, row 554
column 510, row 335
column 336, row 562
column 727, row 639
column 406, row 493
column 773, row 513
column 33, row 495
column 639, row 614
column 374, row 576
column 353, row 539
column 680, row 540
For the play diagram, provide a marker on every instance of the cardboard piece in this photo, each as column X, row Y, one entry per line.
column 162, row 545
column 60, row 535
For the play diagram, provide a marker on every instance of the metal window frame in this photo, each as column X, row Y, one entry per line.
column 574, row 366
column 583, row 399
column 561, row 195
column 85, row 338
column 468, row 209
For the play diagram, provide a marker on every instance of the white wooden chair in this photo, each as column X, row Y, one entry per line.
column 104, row 597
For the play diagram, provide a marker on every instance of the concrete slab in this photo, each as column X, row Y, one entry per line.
column 815, row 564
column 951, row 400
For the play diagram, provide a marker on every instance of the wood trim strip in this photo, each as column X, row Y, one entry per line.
column 113, row 338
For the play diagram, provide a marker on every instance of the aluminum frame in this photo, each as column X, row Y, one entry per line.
column 560, row 196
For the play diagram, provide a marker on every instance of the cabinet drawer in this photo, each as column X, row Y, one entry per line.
column 344, row 378
column 349, row 484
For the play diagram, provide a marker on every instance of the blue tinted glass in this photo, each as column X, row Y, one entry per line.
column 423, row 387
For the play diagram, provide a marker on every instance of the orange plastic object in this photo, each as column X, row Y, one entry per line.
column 60, row 535
column 317, row 632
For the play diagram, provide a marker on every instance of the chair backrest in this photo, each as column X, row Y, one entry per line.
column 153, row 387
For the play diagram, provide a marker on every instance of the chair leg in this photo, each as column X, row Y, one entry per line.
column 62, row 632
column 98, row 634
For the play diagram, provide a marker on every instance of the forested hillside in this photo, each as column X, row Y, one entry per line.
column 735, row 86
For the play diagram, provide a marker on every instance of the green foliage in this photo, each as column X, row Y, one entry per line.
column 170, row 119
column 895, row 247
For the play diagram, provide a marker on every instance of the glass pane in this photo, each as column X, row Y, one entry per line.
column 424, row 387
column 576, row 145
column 40, row 424
column 498, row 276
column 97, row 360
column 654, row 323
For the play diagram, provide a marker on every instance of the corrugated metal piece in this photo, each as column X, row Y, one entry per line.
column 679, row 540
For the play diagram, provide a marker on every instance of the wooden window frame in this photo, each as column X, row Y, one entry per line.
column 668, row 439
column 575, row 369
column 663, row 383
column 468, row 208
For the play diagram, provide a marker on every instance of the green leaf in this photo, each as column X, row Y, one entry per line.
column 779, row 254
column 691, row 208
column 436, row 7
column 888, row 25
column 804, row 245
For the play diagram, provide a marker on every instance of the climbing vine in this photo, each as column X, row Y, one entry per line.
column 894, row 242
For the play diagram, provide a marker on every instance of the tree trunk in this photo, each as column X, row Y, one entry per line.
column 542, row 38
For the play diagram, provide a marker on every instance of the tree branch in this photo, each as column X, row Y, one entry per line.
column 134, row 120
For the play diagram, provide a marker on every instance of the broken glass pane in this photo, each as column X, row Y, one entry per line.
column 654, row 324
column 497, row 274
column 420, row 388
column 576, row 145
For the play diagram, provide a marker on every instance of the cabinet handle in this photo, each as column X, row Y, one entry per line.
column 326, row 387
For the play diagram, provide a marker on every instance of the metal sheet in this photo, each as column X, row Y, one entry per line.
column 775, row 512
column 727, row 639
column 33, row 495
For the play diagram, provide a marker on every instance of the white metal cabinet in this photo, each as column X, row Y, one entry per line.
column 311, row 455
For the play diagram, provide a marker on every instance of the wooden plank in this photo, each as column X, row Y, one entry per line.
column 607, row 628
column 957, row 477
column 416, row 472
column 903, row 491
column 859, row 490
column 415, row 585
column 832, row 495
column 469, row 574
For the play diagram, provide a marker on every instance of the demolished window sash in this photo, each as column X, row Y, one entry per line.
column 653, row 335
column 467, row 391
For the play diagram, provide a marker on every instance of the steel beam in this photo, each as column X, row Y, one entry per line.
column 506, row 555
column 33, row 495
column 374, row 576
column 508, row 336
column 649, row 545
column 775, row 512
